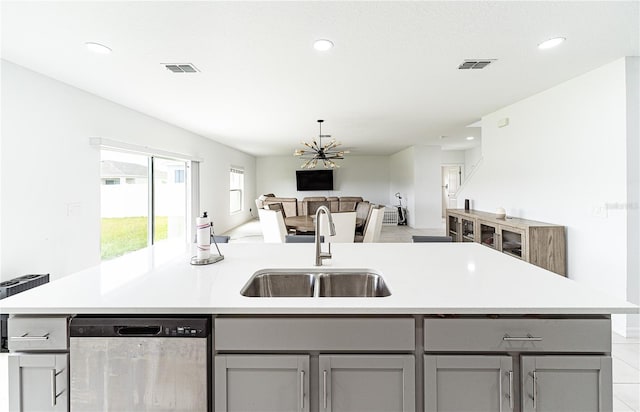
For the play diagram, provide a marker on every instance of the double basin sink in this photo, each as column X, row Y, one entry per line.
column 280, row 283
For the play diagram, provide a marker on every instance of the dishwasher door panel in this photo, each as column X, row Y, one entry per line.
column 138, row 374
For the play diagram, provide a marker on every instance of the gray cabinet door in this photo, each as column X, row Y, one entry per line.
column 261, row 383
column 566, row 383
column 38, row 382
column 468, row 383
column 354, row 383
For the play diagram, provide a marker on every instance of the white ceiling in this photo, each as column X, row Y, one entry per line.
column 390, row 82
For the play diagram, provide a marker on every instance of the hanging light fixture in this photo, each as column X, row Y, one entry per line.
column 317, row 152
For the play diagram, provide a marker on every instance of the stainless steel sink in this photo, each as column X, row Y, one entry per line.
column 315, row 283
column 280, row 285
column 365, row 285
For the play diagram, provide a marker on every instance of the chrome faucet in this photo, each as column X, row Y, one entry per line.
column 320, row 255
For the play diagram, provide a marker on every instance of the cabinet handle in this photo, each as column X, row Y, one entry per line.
column 26, row 337
column 528, row 338
column 302, row 390
column 511, row 390
column 500, row 391
column 535, row 389
column 53, row 387
column 324, row 388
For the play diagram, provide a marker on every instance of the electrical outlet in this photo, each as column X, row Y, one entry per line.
column 600, row 211
column 73, row 209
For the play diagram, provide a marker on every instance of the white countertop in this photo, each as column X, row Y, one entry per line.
column 424, row 278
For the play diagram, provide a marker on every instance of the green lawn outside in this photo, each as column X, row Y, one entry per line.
column 121, row 235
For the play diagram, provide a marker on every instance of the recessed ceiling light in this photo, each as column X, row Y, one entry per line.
column 551, row 43
column 97, row 47
column 470, row 137
column 323, row 45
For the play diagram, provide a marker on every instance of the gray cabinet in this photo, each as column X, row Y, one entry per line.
column 315, row 364
column 566, row 383
column 38, row 382
column 569, row 369
column 38, row 363
column 350, row 383
column 468, row 383
column 261, row 383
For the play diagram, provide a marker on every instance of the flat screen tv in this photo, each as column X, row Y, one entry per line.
column 314, row 180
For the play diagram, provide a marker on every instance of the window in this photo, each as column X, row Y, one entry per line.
column 236, row 188
column 131, row 218
column 178, row 176
column 111, row 181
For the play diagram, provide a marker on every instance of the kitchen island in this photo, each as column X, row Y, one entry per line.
column 464, row 325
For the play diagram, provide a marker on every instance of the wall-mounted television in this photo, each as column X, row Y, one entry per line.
column 314, row 180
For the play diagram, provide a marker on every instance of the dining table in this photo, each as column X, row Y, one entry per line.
column 307, row 223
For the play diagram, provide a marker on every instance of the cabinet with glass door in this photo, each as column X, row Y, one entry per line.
column 542, row 244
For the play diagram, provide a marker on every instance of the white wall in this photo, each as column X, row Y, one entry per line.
column 633, row 190
column 51, row 175
column 366, row 176
column 402, row 179
column 562, row 157
column 472, row 159
column 428, row 182
column 454, row 157
column 416, row 174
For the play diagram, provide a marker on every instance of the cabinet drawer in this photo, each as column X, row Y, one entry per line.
column 512, row 334
column 37, row 333
column 322, row 334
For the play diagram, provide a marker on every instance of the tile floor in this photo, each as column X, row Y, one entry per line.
column 625, row 351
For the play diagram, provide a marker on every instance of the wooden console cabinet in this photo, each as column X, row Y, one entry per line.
column 542, row 244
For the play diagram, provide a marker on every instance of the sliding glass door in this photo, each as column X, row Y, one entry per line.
column 169, row 199
column 143, row 201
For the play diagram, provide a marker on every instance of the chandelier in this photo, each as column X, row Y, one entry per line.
column 317, row 152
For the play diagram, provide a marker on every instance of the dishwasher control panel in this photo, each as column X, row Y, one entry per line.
column 192, row 327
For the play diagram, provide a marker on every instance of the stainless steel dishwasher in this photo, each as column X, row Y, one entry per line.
column 140, row 364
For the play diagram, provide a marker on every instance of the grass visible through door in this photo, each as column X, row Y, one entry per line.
column 125, row 234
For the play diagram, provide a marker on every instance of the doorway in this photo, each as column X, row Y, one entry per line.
column 451, row 182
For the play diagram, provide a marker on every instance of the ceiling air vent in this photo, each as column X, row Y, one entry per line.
column 475, row 64
column 181, row 67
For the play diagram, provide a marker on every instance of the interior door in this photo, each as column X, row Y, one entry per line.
column 451, row 181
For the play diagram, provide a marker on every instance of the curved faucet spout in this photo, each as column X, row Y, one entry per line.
column 320, row 255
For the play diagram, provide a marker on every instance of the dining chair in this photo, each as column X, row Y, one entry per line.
column 348, row 203
column 313, row 205
column 345, row 224
column 430, row 239
column 273, row 227
column 362, row 212
column 373, row 227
